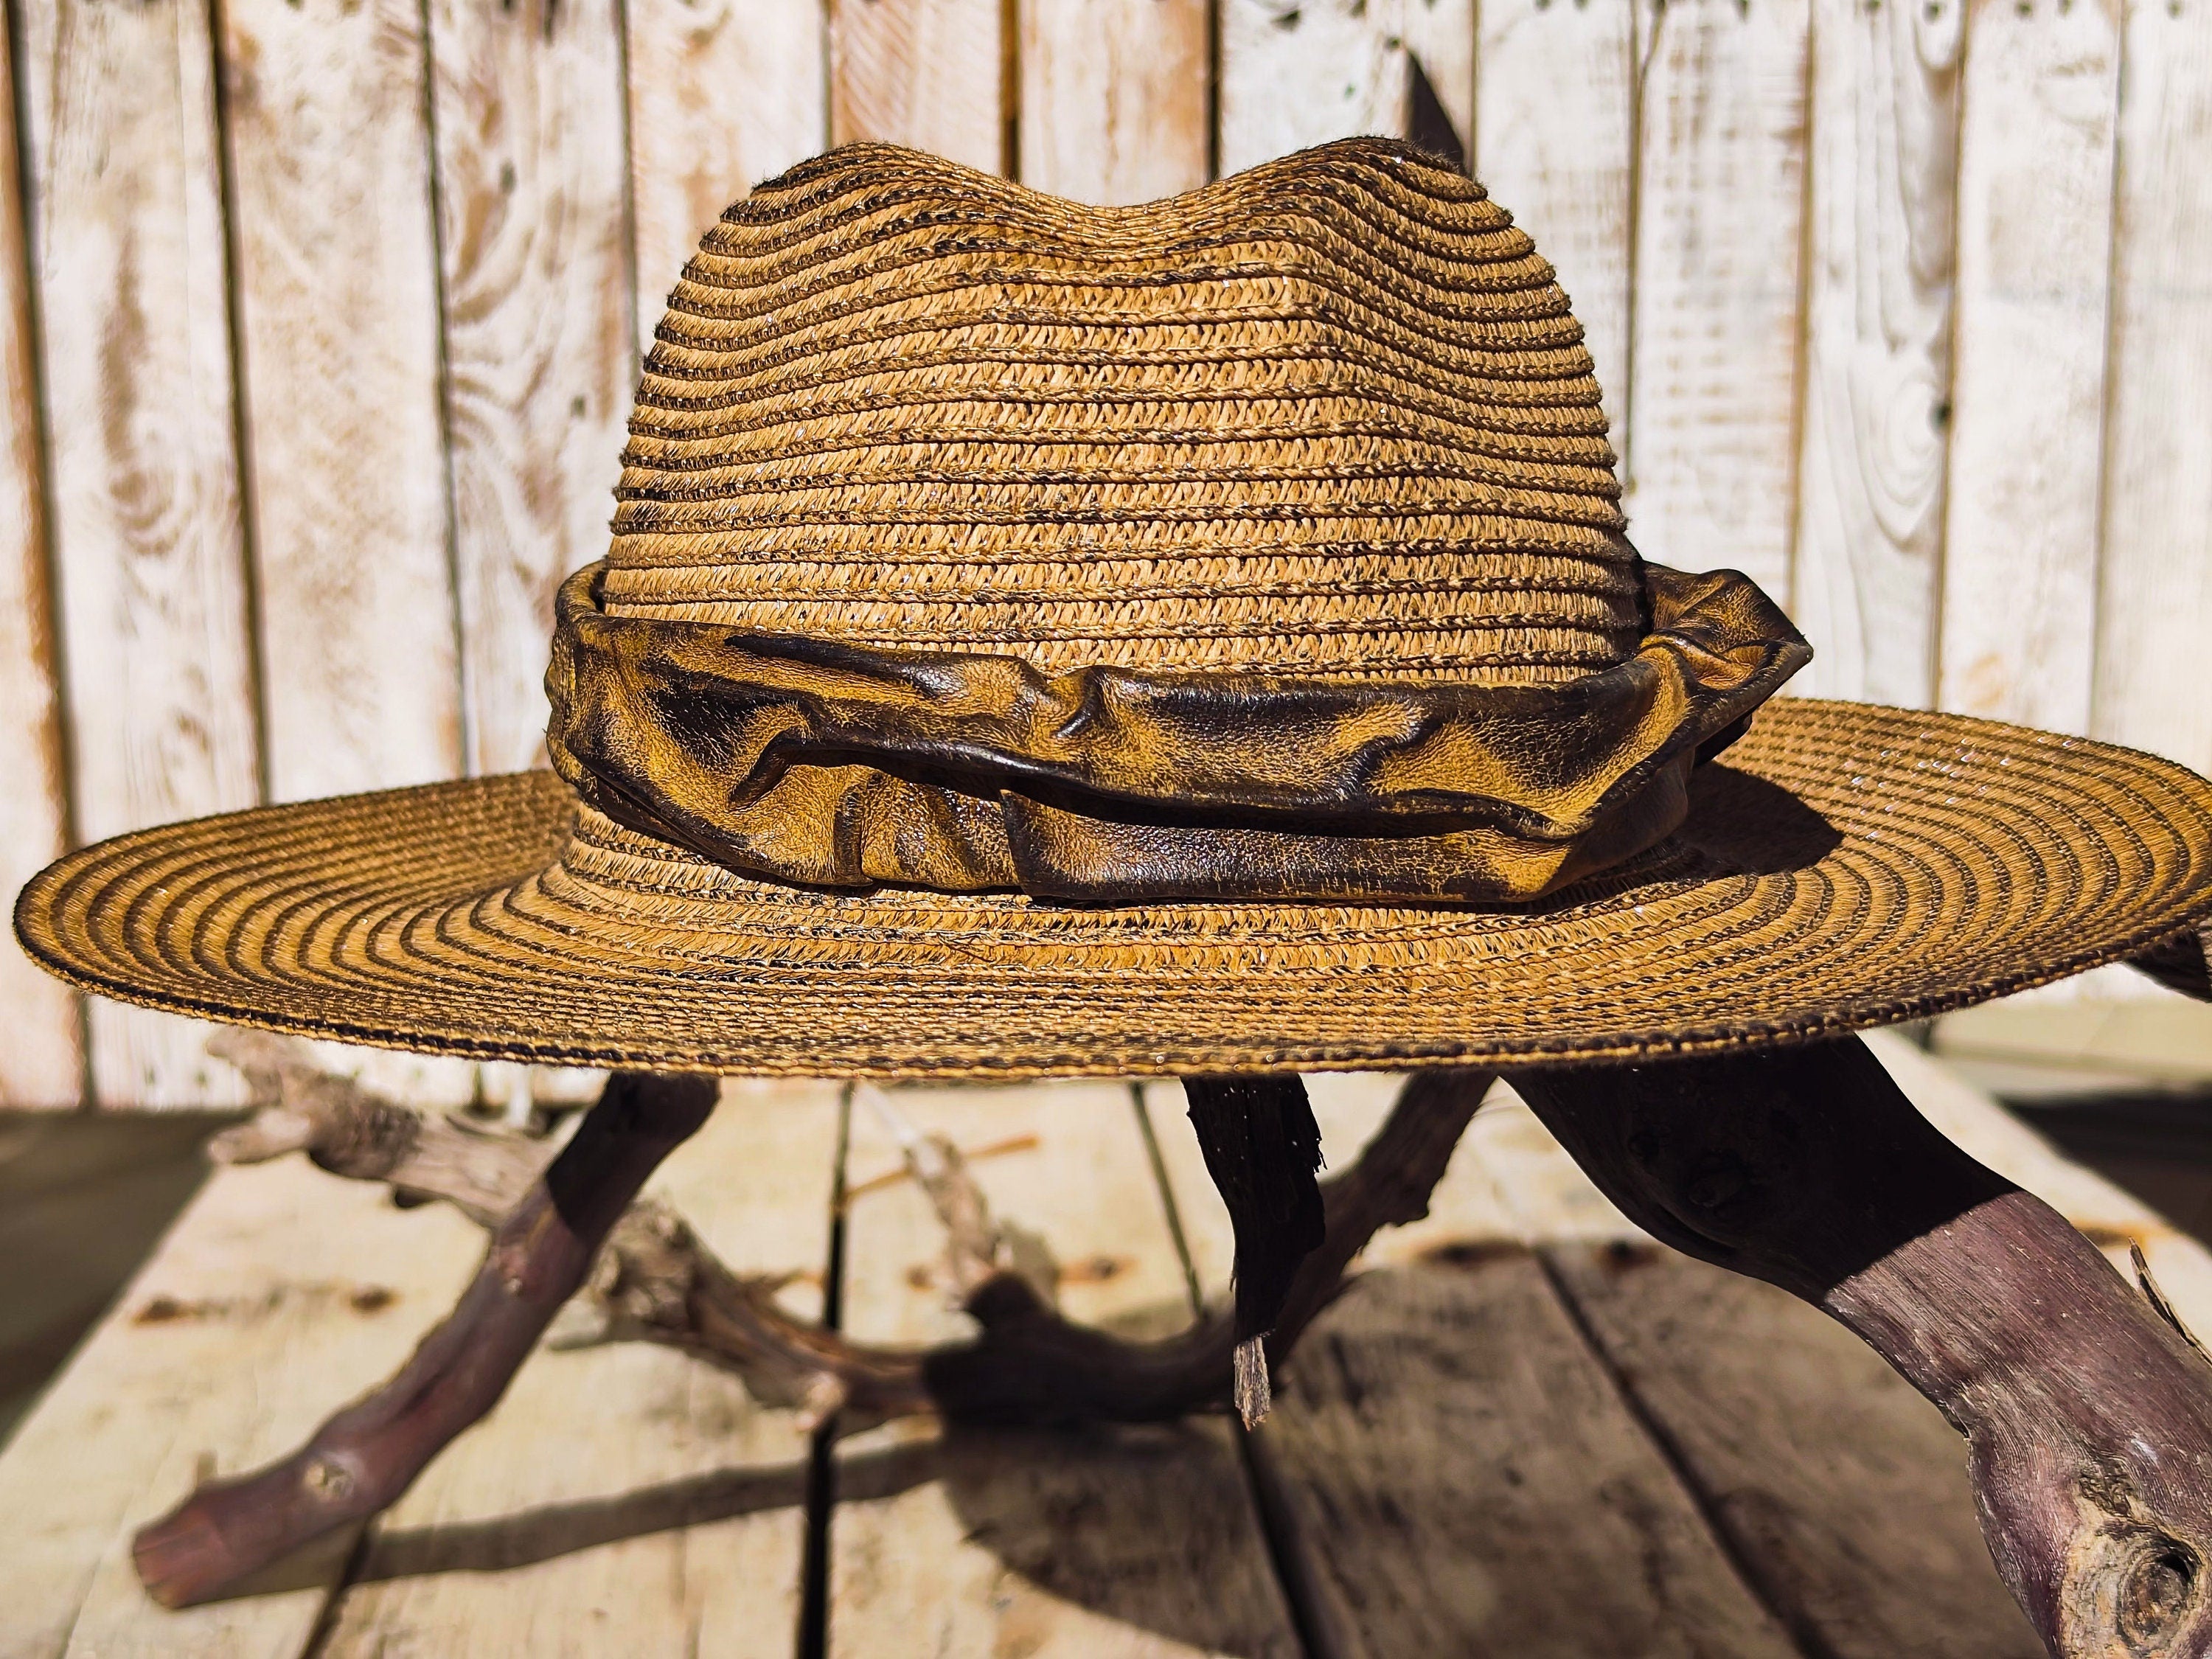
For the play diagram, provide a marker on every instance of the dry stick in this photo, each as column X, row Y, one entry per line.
column 2087, row 1418
column 363, row 1458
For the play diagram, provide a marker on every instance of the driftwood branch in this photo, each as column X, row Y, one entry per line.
column 363, row 1458
column 2088, row 1416
column 655, row 1281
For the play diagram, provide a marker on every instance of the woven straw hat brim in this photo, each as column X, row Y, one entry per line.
column 1844, row 866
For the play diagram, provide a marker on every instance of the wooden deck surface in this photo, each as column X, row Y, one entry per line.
column 1525, row 1430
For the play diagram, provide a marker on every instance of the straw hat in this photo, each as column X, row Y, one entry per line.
column 1194, row 637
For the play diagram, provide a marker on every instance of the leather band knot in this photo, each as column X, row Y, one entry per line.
column 820, row 763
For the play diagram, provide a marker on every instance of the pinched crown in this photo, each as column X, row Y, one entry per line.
column 1329, row 417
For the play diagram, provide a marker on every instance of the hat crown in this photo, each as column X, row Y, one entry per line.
column 1330, row 417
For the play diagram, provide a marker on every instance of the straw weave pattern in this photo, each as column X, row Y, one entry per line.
column 1844, row 866
column 1331, row 417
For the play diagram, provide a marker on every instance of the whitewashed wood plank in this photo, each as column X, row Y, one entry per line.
column 1300, row 72
column 928, row 74
column 337, row 303
column 2035, row 202
column 339, row 306
column 2155, row 591
column 1721, row 180
column 723, row 93
column 1117, row 1543
column 625, row 1497
column 127, row 236
column 1456, row 1470
column 1554, row 143
column 1113, row 98
column 540, row 342
column 43, row 1065
column 1876, row 387
column 280, row 1293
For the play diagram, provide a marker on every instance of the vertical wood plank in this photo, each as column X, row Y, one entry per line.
column 43, row 1063
column 723, row 93
column 2154, row 594
column 127, row 232
column 924, row 73
column 1113, row 98
column 1296, row 73
column 2035, row 210
column 1554, row 143
column 338, row 309
column 1117, row 1544
column 1876, row 387
column 527, row 104
column 672, row 1519
column 1720, row 194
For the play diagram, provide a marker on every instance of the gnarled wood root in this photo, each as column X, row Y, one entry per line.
column 654, row 1280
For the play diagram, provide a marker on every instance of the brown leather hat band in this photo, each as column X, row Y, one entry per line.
column 823, row 763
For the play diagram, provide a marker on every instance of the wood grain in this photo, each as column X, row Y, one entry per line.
column 128, row 238
column 723, row 93
column 540, row 345
column 1878, row 314
column 1554, row 142
column 2154, row 570
column 338, row 285
column 2035, row 200
column 673, row 1520
column 43, row 1066
column 1456, row 1470
column 1301, row 72
column 925, row 73
column 279, row 1293
column 1845, row 1490
column 338, row 304
column 1111, row 1542
column 1719, row 225
column 1113, row 98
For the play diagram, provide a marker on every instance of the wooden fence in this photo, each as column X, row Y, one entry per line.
column 323, row 317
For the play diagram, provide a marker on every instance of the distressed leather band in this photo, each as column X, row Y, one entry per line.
column 821, row 763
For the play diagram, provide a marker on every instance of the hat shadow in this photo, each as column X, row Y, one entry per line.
column 1101, row 1518
column 1749, row 826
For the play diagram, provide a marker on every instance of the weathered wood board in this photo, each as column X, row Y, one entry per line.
column 127, row 236
column 928, row 74
column 43, row 1063
column 1113, row 98
column 1719, row 230
column 1139, row 1542
column 1877, row 317
column 1458, row 1472
column 336, row 276
column 280, row 1295
column 337, row 303
column 672, row 1519
column 2154, row 557
column 2019, row 606
column 1296, row 73
column 541, row 358
column 722, row 96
